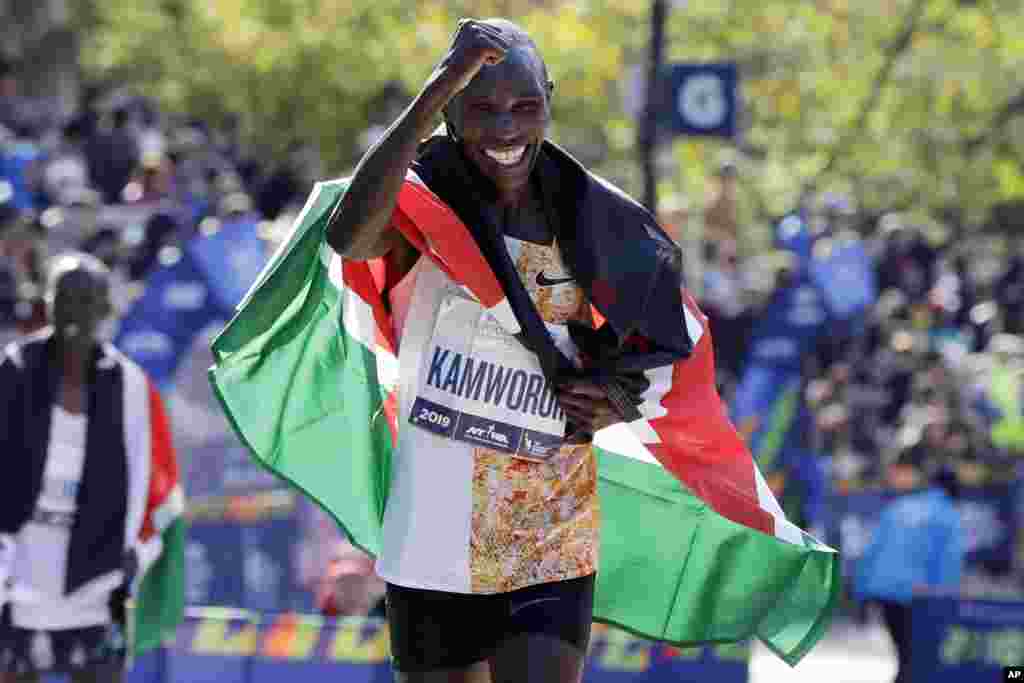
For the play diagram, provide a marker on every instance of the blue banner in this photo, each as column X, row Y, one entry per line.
column 159, row 327
column 230, row 259
column 227, row 646
column 957, row 640
column 789, row 326
column 202, row 285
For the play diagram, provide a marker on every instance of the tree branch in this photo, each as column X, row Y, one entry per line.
column 1014, row 107
column 893, row 52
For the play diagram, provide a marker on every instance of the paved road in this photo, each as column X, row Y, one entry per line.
column 846, row 655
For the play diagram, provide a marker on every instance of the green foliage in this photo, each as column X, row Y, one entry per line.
column 901, row 103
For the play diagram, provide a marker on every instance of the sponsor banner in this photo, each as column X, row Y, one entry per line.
column 229, row 646
column 957, row 640
column 988, row 515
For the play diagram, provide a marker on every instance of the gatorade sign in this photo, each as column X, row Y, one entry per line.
column 703, row 99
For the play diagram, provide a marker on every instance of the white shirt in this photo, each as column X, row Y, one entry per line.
column 41, row 555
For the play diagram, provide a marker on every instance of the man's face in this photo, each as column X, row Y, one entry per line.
column 81, row 300
column 501, row 119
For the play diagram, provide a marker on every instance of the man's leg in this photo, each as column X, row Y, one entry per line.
column 476, row 673
column 548, row 633
column 439, row 637
column 897, row 620
column 537, row 658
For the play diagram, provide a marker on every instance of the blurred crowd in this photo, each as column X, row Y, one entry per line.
column 930, row 379
column 122, row 180
column 130, row 184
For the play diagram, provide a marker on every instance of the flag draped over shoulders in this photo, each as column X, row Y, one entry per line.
column 694, row 547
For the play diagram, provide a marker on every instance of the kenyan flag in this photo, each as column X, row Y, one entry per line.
column 695, row 548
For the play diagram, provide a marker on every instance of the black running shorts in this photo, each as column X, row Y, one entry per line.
column 432, row 630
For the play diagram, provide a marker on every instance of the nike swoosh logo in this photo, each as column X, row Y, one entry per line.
column 544, row 281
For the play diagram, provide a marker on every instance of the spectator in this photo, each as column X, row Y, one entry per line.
column 161, row 230
column 66, row 169
column 1009, row 290
column 75, row 219
column 15, row 110
column 907, row 263
column 350, row 587
column 725, row 303
column 286, row 184
column 918, row 545
column 113, row 156
column 69, row 405
column 998, row 400
column 152, row 181
column 720, row 215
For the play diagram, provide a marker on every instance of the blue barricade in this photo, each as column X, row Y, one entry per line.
column 958, row 640
column 235, row 646
column 241, row 552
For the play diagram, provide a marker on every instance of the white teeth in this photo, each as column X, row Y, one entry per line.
column 508, row 157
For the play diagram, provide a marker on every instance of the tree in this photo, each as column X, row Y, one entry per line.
column 903, row 104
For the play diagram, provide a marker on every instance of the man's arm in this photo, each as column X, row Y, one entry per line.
column 360, row 227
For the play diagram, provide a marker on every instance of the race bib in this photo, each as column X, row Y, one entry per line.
column 479, row 385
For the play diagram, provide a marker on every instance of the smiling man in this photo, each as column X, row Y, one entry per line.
column 523, row 609
column 493, row 339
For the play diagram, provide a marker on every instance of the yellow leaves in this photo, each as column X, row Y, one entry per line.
column 310, row 67
column 984, row 32
column 778, row 95
column 788, row 102
column 840, row 35
column 772, row 23
column 1010, row 178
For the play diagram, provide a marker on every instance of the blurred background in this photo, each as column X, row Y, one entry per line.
column 847, row 181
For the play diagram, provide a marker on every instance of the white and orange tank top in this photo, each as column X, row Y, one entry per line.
column 483, row 498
